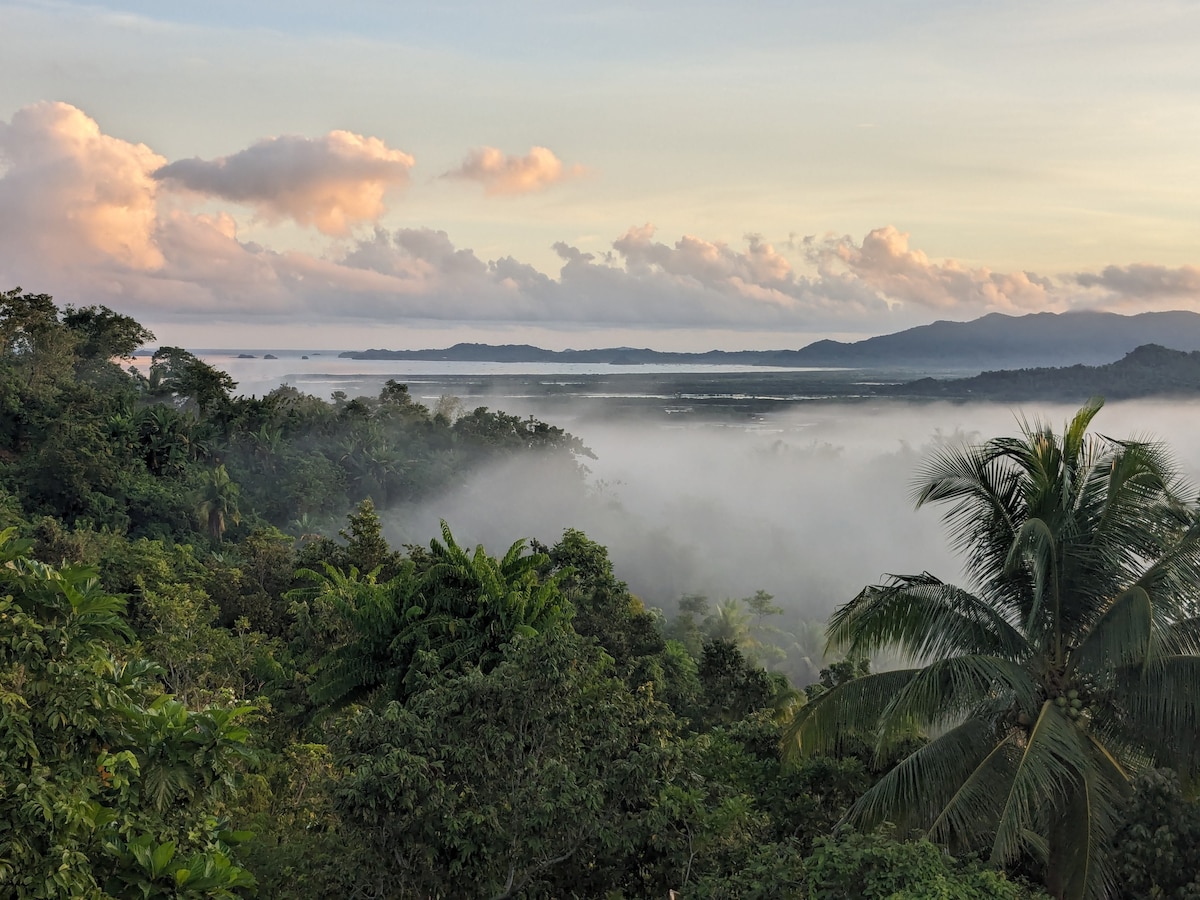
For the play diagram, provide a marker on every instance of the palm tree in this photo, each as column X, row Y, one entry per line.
column 731, row 623
column 500, row 598
column 164, row 435
column 218, row 502
column 462, row 610
column 1068, row 666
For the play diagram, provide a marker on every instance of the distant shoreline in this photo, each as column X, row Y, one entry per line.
column 990, row 343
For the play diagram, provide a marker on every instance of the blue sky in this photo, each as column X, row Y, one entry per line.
column 942, row 160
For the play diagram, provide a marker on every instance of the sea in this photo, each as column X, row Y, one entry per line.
column 562, row 393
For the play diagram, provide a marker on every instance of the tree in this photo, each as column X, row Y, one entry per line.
column 462, row 610
column 689, row 624
column 520, row 781
column 1157, row 851
column 25, row 319
column 732, row 687
column 852, row 866
column 604, row 607
column 366, row 548
column 104, row 334
column 105, row 782
column 176, row 371
column 163, row 438
column 33, row 341
column 731, row 624
column 218, row 503
column 1067, row 666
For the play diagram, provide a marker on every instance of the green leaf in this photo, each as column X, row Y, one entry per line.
column 161, row 857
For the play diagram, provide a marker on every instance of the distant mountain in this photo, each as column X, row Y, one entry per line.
column 1148, row 371
column 999, row 341
column 617, row 356
column 992, row 342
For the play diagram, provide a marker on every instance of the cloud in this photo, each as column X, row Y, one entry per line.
column 89, row 217
column 702, row 282
column 332, row 182
column 1142, row 281
column 72, row 196
column 502, row 174
column 758, row 271
column 884, row 264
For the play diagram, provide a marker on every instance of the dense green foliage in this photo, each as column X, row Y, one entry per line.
column 107, row 784
column 217, row 678
column 1147, row 371
column 173, row 453
column 535, row 776
column 1157, row 851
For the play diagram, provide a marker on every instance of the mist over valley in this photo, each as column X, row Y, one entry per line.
column 809, row 504
column 717, row 480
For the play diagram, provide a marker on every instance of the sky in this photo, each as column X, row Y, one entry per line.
column 663, row 174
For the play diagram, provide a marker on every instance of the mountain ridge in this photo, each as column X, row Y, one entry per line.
column 993, row 341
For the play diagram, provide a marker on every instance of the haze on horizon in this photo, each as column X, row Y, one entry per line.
column 678, row 177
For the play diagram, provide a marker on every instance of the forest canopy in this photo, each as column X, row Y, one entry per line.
column 219, row 679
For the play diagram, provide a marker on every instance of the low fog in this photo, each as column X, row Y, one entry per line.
column 810, row 505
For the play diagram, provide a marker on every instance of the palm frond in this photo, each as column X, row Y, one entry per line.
column 1034, row 548
column 1075, row 432
column 1181, row 637
column 916, row 792
column 985, row 504
column 1049, row 764
column 1086, row 826
column 974, row 808
column 947, row 689
column 1121, row 636
column 1162, row 704
column 923, row 617
column 853, row 707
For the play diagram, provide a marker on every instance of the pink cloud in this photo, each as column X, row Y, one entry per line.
column 73, row 196
column 758, row 271
column 331, row 182
column 502, row 174
column 884, row 263
column 86, row 218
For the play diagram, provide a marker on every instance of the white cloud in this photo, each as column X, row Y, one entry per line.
column 504, row 174
column 331, row 182
column 1143, row 281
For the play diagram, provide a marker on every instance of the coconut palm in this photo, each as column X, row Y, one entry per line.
column 1068, row 665
column 218, row 502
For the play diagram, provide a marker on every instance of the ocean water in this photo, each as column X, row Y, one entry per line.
column 562, row 393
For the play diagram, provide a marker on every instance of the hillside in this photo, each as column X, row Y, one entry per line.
column 1148, row 371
